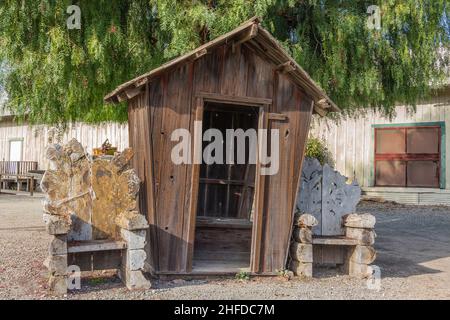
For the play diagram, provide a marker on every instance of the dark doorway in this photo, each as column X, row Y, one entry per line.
column 226, row 191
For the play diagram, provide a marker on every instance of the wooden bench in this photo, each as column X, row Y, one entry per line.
column 93, row 255
column 18, row 172
column 95, row 245
column 331, row 250
column 334, row 241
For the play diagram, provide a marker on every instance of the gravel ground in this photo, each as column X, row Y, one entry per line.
column 413, row 246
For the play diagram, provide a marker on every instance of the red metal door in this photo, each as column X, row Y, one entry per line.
column 407, row 156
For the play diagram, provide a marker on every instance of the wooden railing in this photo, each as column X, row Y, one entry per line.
column 17, row 168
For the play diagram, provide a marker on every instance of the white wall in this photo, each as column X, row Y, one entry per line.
column 36, row 138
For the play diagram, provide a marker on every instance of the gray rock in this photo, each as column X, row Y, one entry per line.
column 364, row 237
column 134, row 280
column 58, row 285
column 58, row 245
column 305, row 220
column 301, row 252
column 134, row 259
column 135, row 239
column 56, row 225
column 302, row 235
column 57, row 264
column 131, row 220
column 365, row 220
column 301, row 268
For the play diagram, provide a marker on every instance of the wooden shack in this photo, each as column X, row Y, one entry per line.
column 220, row 218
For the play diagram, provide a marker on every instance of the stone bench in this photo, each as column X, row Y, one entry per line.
column 91, row 212
column 354, row 252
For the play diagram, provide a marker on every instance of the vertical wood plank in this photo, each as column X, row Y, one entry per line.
column 194, row 183
column 171, row 197
column 258, row 227
column 281, row 188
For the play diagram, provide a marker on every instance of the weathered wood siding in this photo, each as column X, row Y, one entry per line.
column 281, row 189
column 36, row 138
column 172, row 100
column 351, row 140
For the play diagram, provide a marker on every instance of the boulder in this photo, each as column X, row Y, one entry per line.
column 359, row 270
column 122, row 159
column 56, row 225
column 134, row 280
column 134, row 259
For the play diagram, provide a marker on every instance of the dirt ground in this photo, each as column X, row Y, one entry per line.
column 413, row 246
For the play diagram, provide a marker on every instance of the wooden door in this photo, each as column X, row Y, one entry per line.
column 198, row 178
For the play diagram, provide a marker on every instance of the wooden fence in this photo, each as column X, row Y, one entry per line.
column 17, row 168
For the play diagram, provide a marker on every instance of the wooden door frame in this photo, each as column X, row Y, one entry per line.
column 258, row 199
column 264, row 106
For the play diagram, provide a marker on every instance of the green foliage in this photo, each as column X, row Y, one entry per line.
column 58, row 75
column 242, row 276
column 315, row 148
column 97, row 281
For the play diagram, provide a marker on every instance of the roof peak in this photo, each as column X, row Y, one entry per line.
column 249, row 31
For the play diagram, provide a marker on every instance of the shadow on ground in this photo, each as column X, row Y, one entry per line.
column 409, row 237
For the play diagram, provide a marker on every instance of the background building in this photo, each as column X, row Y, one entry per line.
column 402, row 159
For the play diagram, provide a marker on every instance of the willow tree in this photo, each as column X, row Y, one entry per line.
column 55, row 74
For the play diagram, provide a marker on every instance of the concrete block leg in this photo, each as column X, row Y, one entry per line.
column 134, row 257
column 131, row 270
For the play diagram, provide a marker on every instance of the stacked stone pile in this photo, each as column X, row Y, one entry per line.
column 360, row 227
column 301, row 249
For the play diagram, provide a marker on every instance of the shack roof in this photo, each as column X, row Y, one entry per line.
column 261, row 41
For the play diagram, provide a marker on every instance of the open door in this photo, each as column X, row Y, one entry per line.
column 226, row 191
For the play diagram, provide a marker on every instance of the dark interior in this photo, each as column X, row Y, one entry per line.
column 225, row 198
